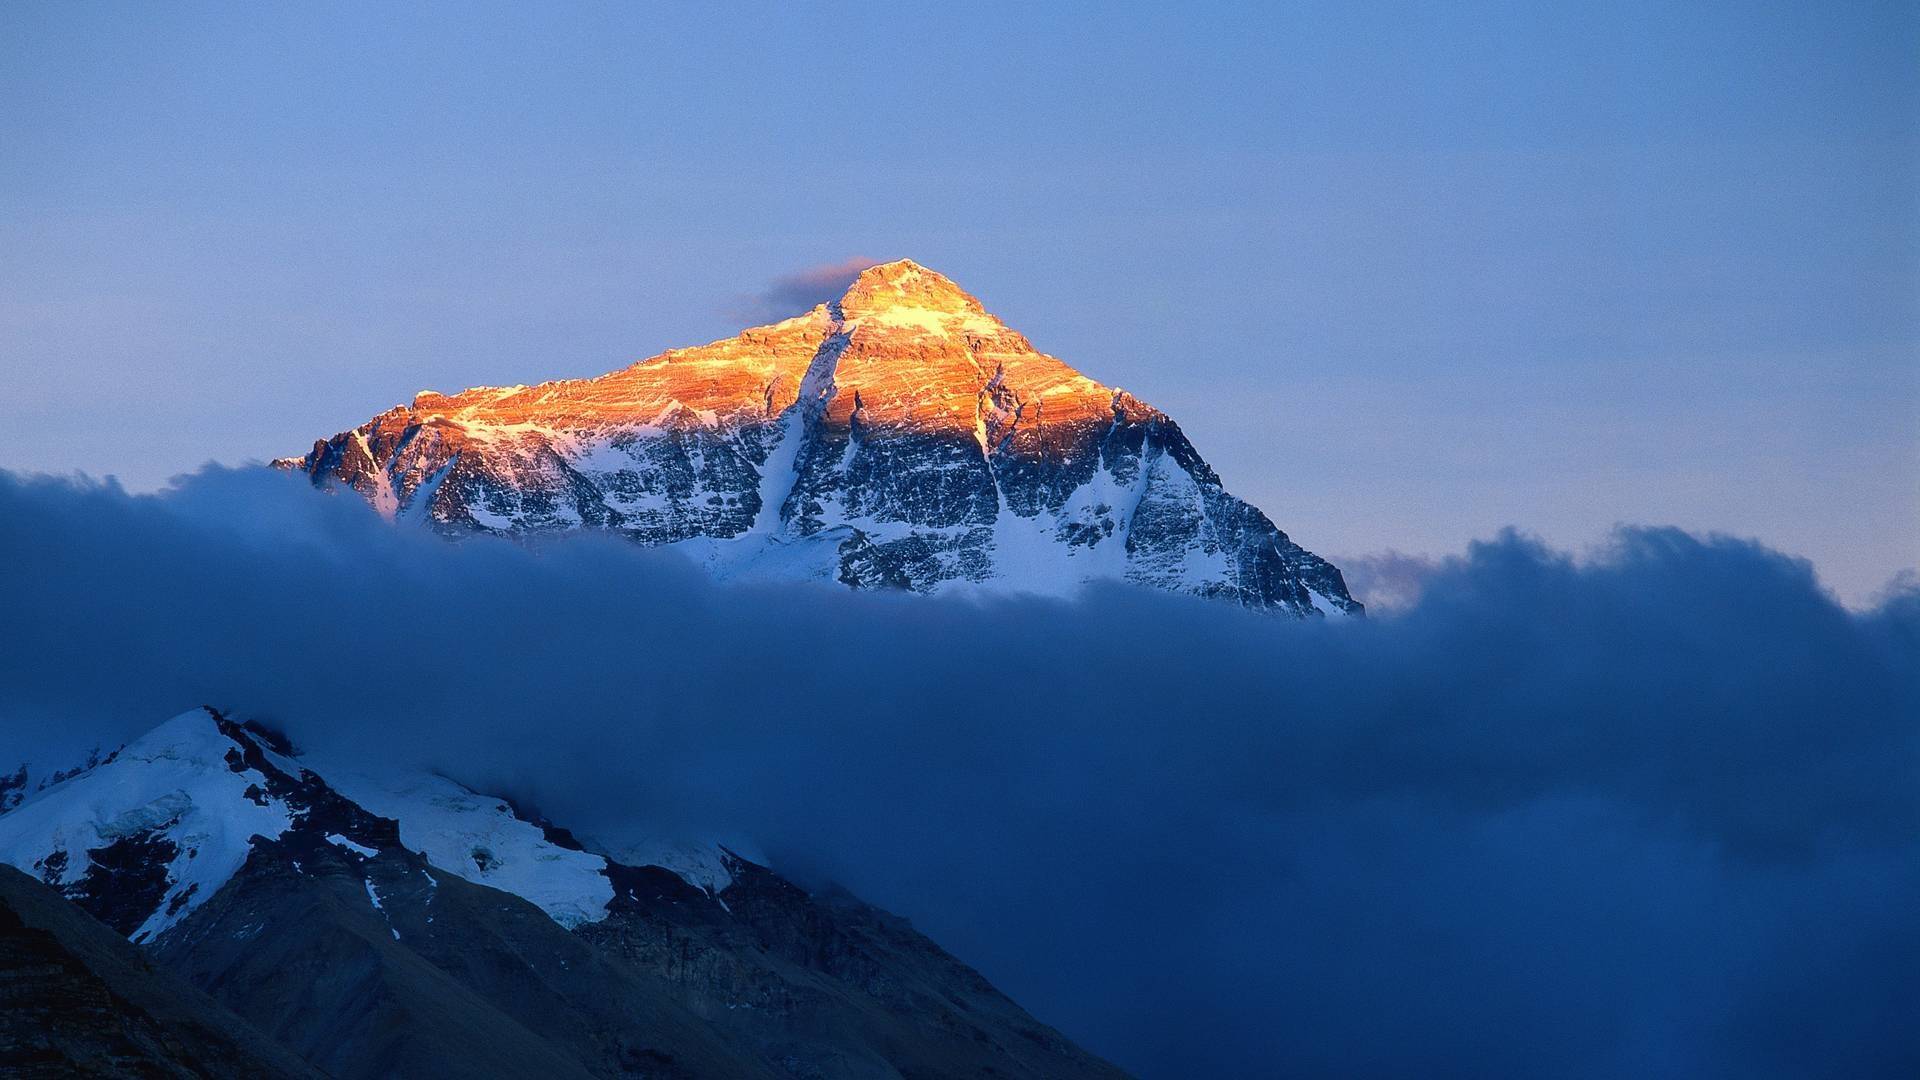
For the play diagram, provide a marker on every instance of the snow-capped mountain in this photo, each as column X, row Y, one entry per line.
column 406, row 925
column 146, row 836
column 900, row 436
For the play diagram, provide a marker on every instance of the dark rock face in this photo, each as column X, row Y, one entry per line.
column 125, row 880
column 77, row 1000
column 902, row 435
column 779, row 969
column 447, row 978
column 295, row 944
column 13, row 788
column 316, row 809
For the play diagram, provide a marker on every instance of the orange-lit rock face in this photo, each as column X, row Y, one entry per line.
column 752, row 376
column 921, row 352
column 914, row 349
column 899, row 436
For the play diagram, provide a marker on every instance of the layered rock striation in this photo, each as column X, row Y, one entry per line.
column 900, row 436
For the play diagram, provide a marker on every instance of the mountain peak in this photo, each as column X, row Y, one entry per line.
column 899, row 438
column 906, row 285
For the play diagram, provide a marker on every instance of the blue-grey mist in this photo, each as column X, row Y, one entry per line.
column 1650, row 813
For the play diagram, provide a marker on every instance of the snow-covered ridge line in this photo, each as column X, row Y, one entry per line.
column 146, row 836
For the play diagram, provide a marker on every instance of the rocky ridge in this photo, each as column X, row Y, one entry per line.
column 413, row 927
column 900, row 437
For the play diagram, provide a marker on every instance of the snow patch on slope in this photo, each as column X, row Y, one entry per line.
column 173, row 784
column 361, row 850
column 702, row 864
column 479, row 839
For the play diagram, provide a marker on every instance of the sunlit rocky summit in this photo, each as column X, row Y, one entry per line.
column 900, row 436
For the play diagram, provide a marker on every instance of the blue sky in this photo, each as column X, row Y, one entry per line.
column 1406, row 274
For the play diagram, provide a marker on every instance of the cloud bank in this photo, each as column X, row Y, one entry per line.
column 1650, row 813
column 795, row 293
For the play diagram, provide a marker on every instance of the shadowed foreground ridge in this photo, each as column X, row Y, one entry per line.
column 898, row 437
column 77, row 1000
column 412, row 927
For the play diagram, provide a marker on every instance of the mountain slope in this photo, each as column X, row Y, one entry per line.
column 77, row 1000
column 430, row 930
column 898, row 437
column 383, row 967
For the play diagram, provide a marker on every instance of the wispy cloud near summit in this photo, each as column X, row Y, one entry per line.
column 790, row 294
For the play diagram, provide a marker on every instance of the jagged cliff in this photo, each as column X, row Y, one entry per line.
column 900, row 436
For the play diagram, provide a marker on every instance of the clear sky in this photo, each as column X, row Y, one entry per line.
column 1406, row 274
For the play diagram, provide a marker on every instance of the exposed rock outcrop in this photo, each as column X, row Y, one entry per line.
column 898, row 437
